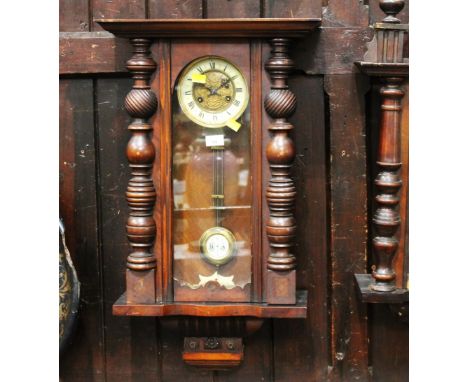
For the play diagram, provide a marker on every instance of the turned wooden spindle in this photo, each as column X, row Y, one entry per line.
column 388, row 183
column 141, row 104
column 386, row 219
column 280, row 104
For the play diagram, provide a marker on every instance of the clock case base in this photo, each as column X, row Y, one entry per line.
column 222, row 309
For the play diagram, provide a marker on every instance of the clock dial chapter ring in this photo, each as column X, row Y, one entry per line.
column 213, row 92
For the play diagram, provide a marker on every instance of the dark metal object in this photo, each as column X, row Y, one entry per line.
column 69, row 292
column 212, row 343
column 216, row 353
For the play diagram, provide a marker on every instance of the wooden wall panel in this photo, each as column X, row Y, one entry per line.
column 345, row 14
column 67, row 166
column 318, row 54
column 98, row 52
column 84, row 359
column 348, row 224
column 175, row 9
column 292, row 8
column 73, row 15
column 131, row 343
column 116, row 9
column 232, row 8
column 389, row 346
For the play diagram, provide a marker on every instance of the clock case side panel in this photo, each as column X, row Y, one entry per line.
column 162, row 121
column 169, row 67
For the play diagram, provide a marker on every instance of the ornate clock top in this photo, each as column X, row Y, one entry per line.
column 217, row 28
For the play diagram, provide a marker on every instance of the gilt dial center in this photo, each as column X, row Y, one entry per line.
column 216, row 94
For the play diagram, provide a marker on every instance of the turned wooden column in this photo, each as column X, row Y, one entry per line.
column 386, row 219
column 388, row 183
column 141, row 104
column 280, row 104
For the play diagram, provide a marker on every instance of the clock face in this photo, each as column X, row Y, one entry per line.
column 213, row 93
column 217, row 245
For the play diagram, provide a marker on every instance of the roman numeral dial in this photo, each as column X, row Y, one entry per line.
column 212, row 92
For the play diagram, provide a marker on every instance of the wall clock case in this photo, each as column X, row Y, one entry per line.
column 211, row 222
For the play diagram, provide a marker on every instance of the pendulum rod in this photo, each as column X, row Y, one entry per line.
column 218, row 182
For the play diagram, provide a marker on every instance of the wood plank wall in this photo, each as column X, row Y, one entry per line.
column 342, row 339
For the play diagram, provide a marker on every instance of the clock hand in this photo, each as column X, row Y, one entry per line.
column 215, row 91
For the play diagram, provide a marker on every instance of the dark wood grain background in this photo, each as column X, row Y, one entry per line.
column 336, row 117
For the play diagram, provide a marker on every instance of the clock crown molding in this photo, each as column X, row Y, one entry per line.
column 214, row 28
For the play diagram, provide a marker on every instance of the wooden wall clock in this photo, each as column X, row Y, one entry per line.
column 211, row 223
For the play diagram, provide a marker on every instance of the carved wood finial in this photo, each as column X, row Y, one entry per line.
column 391, row 9
column 390, row 34
column 388, row 182
column 141, row 103
column 280, row 194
